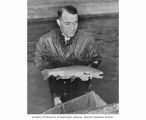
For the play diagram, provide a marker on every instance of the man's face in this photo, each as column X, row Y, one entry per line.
column 68, row 23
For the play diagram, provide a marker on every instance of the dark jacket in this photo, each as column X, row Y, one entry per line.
column 51, row 51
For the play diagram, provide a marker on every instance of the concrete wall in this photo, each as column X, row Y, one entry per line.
column 48, row 8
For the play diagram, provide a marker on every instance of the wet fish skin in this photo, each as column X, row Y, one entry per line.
column 83, row 72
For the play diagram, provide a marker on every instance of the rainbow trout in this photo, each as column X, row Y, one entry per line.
column 83, row 72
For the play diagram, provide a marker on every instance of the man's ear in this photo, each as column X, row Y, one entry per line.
column 58, row 22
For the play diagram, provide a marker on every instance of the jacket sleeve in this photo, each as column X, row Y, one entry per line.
column 41, row 56
column 91, row 55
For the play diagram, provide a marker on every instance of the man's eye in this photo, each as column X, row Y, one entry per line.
column 67, row 23
column 75, row 23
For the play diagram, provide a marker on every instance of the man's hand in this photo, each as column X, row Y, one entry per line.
column 45, row 73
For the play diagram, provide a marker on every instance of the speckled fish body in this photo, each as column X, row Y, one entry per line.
column 83, row 72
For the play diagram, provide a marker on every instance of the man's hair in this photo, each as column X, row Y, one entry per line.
column 69, row 9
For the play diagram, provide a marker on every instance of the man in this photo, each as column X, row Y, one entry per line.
column 66, row 46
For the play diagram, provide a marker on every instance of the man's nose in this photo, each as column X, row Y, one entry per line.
column 72, row 27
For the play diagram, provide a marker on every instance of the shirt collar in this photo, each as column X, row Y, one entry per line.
column 65, row 38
